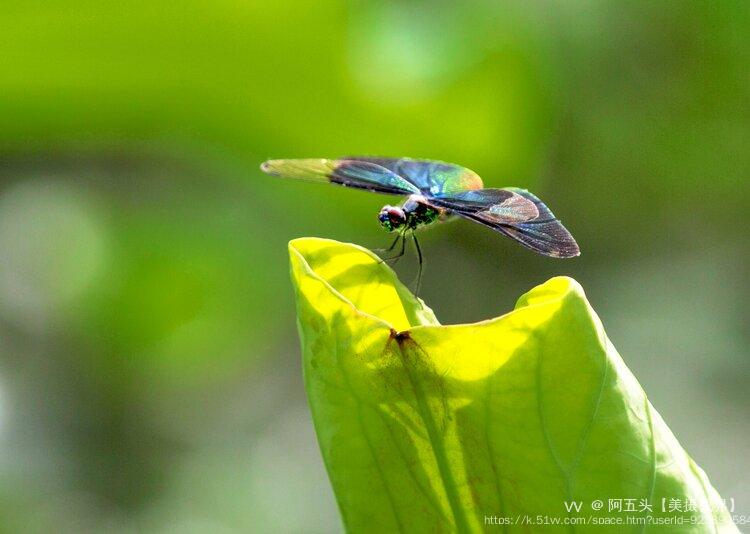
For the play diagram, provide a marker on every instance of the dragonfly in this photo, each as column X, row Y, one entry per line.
column 435, row 191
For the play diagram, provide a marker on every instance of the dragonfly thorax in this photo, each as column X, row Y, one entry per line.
column 411, row 214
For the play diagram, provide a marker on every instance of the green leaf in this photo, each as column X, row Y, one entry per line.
column 430, row 428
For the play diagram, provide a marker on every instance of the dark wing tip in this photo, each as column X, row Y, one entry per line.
column 568, row 249
column 549, row 238
column 545, row 234
column 554, row 240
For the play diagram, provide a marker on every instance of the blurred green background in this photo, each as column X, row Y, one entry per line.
column 149, row 365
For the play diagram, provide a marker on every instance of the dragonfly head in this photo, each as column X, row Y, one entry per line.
column 392, row 217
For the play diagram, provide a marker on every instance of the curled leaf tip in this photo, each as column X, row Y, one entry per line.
column 555, row 288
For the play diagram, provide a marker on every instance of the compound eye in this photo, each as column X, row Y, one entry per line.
column 396, row 216
column 383, row 215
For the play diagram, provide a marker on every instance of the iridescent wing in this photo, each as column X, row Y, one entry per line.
column 432, row 178
column 346, row 172
column 516, row 213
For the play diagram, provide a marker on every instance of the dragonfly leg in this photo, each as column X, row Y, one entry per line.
column 390, row 248
column 394, row 259
column 381, row 251
column 421, row 263
column 393, row 245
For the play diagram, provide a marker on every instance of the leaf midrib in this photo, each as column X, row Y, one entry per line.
column 438, row 447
